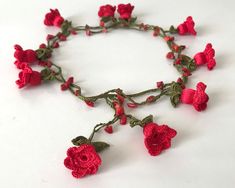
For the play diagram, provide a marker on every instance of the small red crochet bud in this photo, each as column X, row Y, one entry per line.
column 123, row 119
column 77, row 92
column 156, row 32
column 102, row 24
column 170, row 55
column 175, row 47
column 132, row 105
column 90, row 103
column 177, row 62
column 56, row 45
column 109, row 129
column 119, row 110
column 145, row 27
column 160, row 85
column 187, row 27
column 168, row 38
column 49, row 37
column 62, row 38
column 179, row 80
column 206, row 57
column 42, row 46
column 186, row 72
column 67, row 84
column 53, row 18
column 150, row 99
column 120, row 99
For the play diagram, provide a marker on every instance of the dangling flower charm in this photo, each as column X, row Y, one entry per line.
column 82, row 160
column 187, row 27
column 157, row 137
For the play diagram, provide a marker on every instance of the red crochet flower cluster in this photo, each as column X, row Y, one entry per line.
column 23, row 60
column 124, row 10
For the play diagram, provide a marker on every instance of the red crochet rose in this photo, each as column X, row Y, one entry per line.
column 206, row 57
column 107, row 11
column 198, row 98
column 119, row 110
column 24, row 56
column 125, row 10
column 28, row 76
column 82, row 160
column 187, row 27
column 157, row 137
column 53, row 18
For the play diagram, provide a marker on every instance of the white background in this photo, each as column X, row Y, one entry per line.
column 37, row 124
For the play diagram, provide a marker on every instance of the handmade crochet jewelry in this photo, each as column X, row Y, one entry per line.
column 83, row 158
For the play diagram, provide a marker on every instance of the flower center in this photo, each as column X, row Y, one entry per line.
column 84, row 158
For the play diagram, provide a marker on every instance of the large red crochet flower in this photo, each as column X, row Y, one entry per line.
column 53, row 18
column 157, row 137
column 106, row 11
column 187, row 27
column 206, row 57
column 28, row 76
column 198, row 98
column 24, row 56
column 82, row 160
column 125, row 10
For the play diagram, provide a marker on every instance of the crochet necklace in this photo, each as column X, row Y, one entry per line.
column 83, row 158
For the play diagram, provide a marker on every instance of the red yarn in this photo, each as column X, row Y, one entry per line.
column 157, row 137
column 187, row 27
column 82, row 160
column 125, row 10
column 106, row 11
column 53, row 18
column 206, row 57
column 198, row 98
